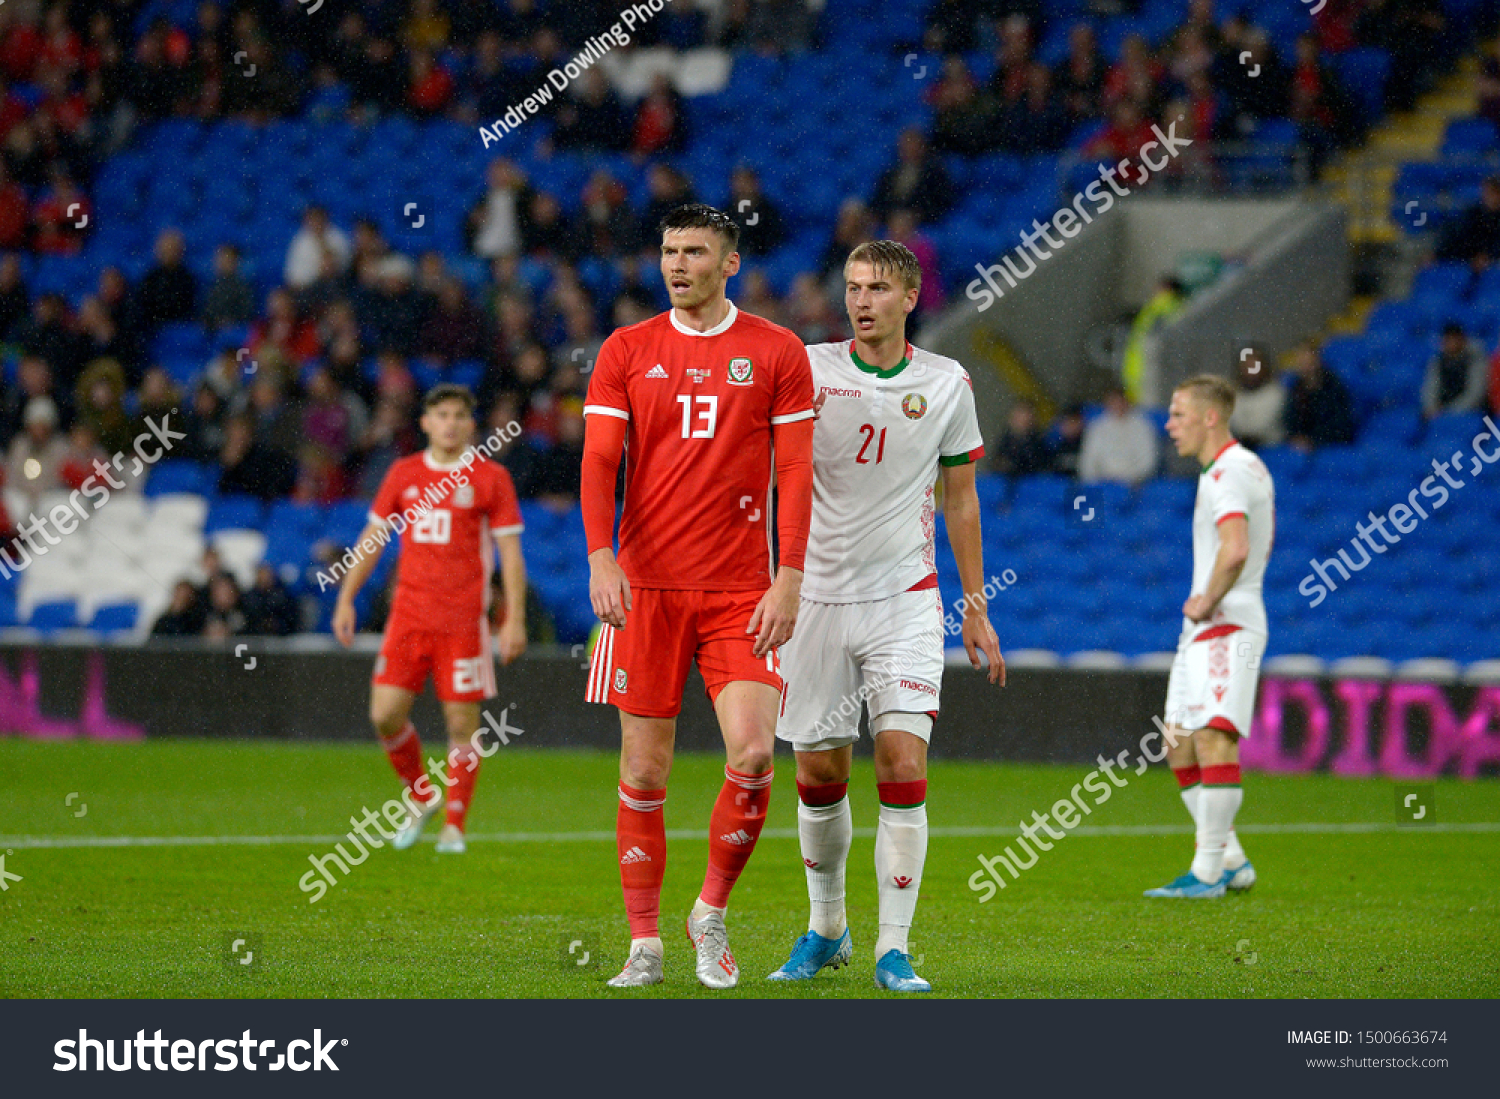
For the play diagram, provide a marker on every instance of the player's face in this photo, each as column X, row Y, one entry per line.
column 1187, row 423
column 449, row 426
column 877, row 303
column 695, row 266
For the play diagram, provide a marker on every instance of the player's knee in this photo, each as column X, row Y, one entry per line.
column 820, row 769
column 751, row 759
column 388, row 720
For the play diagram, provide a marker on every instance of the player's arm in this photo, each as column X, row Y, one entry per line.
column 961, row 515
column 1229, row 562
column 776, row 614
column 354, row 579
column 603, row 443
column 513, row 576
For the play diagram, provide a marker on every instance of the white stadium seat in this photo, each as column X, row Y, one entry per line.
column 241, row 551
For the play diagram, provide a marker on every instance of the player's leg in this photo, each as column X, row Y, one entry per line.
column 900, row 840
column 825, row 830
column 1180, row 755
column 390, row 713
column 1219, row 755
column 646, row 745
column 1235, row 714
column 460, row 773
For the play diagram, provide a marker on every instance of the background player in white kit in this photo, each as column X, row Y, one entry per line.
column 1211, row 692
column 870, row 626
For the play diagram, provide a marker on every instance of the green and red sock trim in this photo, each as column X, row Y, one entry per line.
column 819, row 797
column 1221, row 774
column 902, row 795
column 1188, row 776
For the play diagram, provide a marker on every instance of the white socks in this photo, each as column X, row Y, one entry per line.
column 1234, row 854
column 1217, row 806
column 900, row 851
column 825, row 832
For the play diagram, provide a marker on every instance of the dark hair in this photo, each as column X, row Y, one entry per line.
column 698, row 215
column 448, row 391
column 1453, row 328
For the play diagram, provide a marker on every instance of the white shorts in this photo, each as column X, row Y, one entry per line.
column 887, row 655
column 1213, row 681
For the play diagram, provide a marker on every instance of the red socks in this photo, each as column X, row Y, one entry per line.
column 1188, row 776
column 1222, row 774
column 641, row 837
column 739, row 815
column 405, row 753
column 463, row 770
column 902, row 795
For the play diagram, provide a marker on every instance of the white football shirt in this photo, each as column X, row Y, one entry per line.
column 1236, row 482
column 877, row 446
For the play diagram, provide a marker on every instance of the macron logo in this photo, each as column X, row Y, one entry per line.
column 901, row 882
column 635, row 854
column 740, row 837
column 656, row 372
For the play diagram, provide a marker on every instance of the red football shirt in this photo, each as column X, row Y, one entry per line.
column 443, row 578
column 698, row 453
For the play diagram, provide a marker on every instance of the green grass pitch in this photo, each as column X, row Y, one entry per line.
column 1340, row 910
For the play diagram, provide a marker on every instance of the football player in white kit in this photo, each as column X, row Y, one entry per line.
column 1211, row 691
column 893, row 419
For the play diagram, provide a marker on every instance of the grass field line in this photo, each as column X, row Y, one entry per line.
column 938, row 832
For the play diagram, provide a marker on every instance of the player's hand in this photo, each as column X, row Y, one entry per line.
column 343, row 623
column 776, row 614
column 979, row 635
column 609, row 591
column 512, row 639
column 818, row 405
column 1198, row 608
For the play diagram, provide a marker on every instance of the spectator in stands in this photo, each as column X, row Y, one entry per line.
column 1412, row 32
column 668, row 189
column 268, row 607
column 1326, row 116
column 1119, row 445
column 204, row 425
column 168, row 291
column 158, row 399
column 903, row 229
column 429, row 85
column 1319, row 411
column 15, row 213
column 1253, row 99
column 589, row 117
column 853, row 228
column 455, row 329
column 34, row 378
column 15, row 298
column 1135, row 78
column 1456, row 375
column 1259, row 418
column 1012, row 65
column 606, row 223
column 548, row 235
column 185, row 614
column 320, row 477
column 1038, row 122
column 1023, row 448
column 33, row 465
column 1474, row 236
column 916, row 182
column 1080, row 78
column 278, row 415
column 100, row 398
column 224, row 617
column 555, row 476
column 1066, row 440
column 332, row 418
column 282, row 331
column 762, row 229
column 814, row 317
column 518, row 455
column 1488, row 85
column 496, row 223
column 61, row 217
column 961, row 122
column 660, row 125
column 249, row 467
column 304, row 256
column 1140, row 348
column 47, row 334
column 100, row 338
column 229, row 300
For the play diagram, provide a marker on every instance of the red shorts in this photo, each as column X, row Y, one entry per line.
column 460, row 660
column 643, row 667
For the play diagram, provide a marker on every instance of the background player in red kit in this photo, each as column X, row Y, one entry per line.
column 712, row 404
column 439, row 620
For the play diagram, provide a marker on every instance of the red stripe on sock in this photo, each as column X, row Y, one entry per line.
column 739, row 815
column 902, row 794
column 815, row 797
column 1188, row 776
column 641, row 839
column 1221, row 774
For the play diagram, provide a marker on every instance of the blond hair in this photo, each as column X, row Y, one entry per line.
column 889, row 259
column 1211, row 389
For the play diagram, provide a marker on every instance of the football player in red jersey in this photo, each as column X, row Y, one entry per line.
column 714, row 407
column 447, row 503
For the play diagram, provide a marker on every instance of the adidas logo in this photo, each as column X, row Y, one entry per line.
column 739, row 837
column 656, row 372
column 635, row 854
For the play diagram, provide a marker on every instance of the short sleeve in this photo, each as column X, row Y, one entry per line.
column 1230, row 494
column 962, row 442
column 792, row 399
column 607, row 395
column 387, row 499
column 505, row 509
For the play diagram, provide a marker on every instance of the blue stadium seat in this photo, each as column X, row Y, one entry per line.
column 115, row 618
column 235, row 513
column 61, row 614
column 181, row 475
